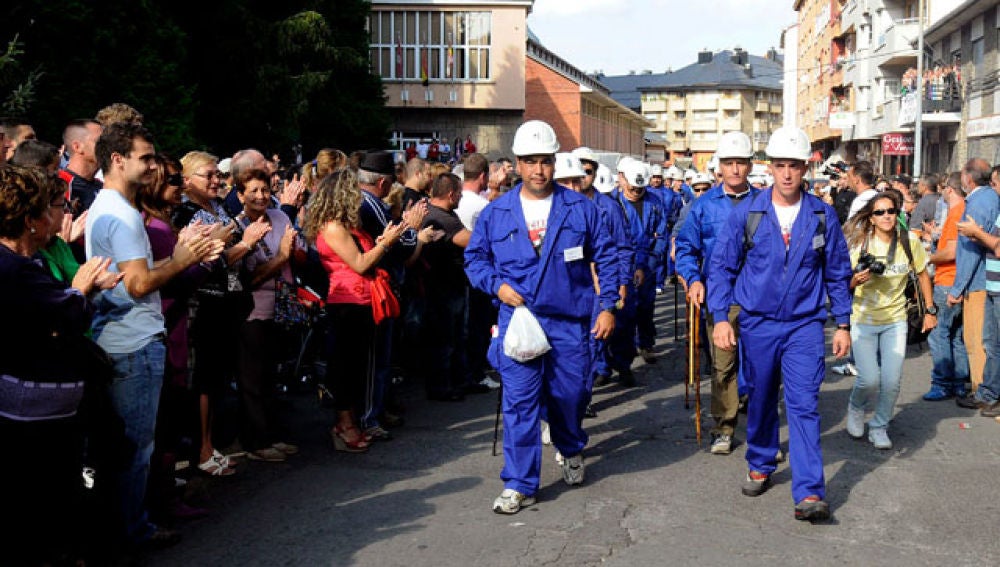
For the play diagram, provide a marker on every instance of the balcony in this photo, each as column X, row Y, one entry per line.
column 761, row 106
column 939, row 109
column 677, row 105
column 731, row 103
column 852, row 16
column 655, row 105
column 703, row 103
column 885, row 118
column 704, row 145
column 705, row 125
column 895, row 47
column 731, row 124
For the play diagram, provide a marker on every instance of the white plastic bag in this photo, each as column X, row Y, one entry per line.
column 525, row 340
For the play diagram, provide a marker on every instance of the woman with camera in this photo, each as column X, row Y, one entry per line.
column 881, row 268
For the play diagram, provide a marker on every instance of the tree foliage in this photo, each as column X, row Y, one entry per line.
column 218, row 75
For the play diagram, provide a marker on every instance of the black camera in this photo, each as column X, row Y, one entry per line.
column 868, row 262
column 835, row 170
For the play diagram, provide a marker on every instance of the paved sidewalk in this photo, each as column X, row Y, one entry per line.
column 652, row 496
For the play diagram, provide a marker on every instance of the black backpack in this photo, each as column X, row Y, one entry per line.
column 753, row 223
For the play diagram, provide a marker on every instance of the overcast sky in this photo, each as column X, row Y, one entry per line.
column 617, row 36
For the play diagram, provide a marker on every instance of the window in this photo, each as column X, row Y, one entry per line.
column 977, row 57
column 441, row 46
column 680, row 115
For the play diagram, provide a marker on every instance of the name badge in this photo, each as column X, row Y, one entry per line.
column 573, row 254
column 818, row 242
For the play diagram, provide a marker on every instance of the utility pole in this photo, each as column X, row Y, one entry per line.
column 918, row 126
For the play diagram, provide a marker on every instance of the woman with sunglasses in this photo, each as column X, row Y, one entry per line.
column 223, row 304
column 878, row 333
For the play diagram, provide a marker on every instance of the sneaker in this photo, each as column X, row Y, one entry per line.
column 937, row 393
column 812, row 509
column 590, row 412
column 546, row 434
column 780, row 456
column 659, row 291
column 846, row 369
column 559, row 458
column 969, row 401
column 879, row 438
column 489, row 383
column 855, row 422
column 626, row 378
column 572, row 470
column 601, row 380
column 756, row 483
column 990, row 409
column 647, row 356
column 511, row 501
column 722, row 445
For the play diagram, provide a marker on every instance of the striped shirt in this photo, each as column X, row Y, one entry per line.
column 993, row 264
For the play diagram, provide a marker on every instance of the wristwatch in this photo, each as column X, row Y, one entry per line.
column 844, row 327
column 932, row 310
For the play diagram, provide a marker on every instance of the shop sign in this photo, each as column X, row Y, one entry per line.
column 897, row 144
column 986, row 126
column 840, row 120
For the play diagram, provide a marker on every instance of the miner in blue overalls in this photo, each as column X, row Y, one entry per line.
column 647, row 222
column 781, row 273
column 672, row 204
column 534, row 247
column 695, row 242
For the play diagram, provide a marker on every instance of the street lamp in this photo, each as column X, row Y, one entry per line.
column 918, row 125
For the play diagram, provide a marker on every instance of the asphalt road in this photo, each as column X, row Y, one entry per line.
column 652, row 495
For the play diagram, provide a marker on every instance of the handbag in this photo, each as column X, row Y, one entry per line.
column 288, row 309
column 915, row 306
column 385, row 305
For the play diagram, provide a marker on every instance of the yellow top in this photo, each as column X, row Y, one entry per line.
column 881, row 301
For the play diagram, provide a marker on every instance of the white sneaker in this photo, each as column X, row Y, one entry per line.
column 879, row 438
column 573, row 469
column 846, row 369
column 722, row 445
column 489, row 383
column 546, row 434
column 559, row 458
column 511, row 501
column 855, row 422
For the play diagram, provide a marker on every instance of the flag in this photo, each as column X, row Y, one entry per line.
column 423, row 68
column 399, row 58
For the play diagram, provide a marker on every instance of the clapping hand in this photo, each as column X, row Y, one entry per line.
column 415, row 213
column 73, row 229
column 293, row 192
column 94, row 273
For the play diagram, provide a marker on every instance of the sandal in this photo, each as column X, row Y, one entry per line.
column 213, row 467
column 223, row 460
column 340, row 442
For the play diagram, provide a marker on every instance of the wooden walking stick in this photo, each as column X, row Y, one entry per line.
column 694, row 365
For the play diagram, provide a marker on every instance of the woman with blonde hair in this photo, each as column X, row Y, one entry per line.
column 327, row 161
column 878, row 246
column 350, row 256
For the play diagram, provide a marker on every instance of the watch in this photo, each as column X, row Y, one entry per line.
column 844, row 327
column 932, row 310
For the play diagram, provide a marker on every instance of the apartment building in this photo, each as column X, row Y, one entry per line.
column 820, row 94
column 692, row 107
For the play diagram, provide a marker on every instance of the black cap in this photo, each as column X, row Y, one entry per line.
column 378, row 161
column 905, row 179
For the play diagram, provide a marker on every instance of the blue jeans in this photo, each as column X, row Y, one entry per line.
column 874, row 343
column 951, row 360
column 135, row 394
column 989, row 390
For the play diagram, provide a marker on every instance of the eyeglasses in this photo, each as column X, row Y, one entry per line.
column 64, row 205
column 696, row 190
column 880, row 212
column 214, row 174
column 175, row 179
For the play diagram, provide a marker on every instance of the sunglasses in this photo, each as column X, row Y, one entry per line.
column 696, row 190
column 175, row 179
column 880, row 212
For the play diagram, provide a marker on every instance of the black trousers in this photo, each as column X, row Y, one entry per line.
column 256, row 383
column 350, row 352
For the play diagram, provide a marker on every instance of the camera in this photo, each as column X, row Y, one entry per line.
column 868, row 262
column 835, row 170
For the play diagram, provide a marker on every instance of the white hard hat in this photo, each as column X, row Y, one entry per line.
column 567, row 166
column 225, row 166
column 672, row 172
column 790, row 143
column 701, row 178
column 623, row 163
column 636, row 173
column 585, row 154
column 690, row 173
column 713, row 163
column 656, row 170
column 734, row 145
column 535, row 138
column 604, row 181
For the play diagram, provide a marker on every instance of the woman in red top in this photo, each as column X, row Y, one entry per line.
column 350, row 256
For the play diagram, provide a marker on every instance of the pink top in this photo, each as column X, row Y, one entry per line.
column 346, row 285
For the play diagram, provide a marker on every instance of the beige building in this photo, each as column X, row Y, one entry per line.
column 692, row 107
column 820, row 89
column 453, row 69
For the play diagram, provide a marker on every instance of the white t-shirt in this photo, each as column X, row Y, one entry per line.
column 536, row 216
column 469, row 207
column 115, row 230
column 786, row 219
column 422, row 150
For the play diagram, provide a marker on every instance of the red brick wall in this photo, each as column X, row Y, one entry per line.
column 555, row 99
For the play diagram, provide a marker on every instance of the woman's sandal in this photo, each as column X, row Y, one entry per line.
column 340, row 443
column 213, row 467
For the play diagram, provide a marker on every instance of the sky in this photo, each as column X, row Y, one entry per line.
column 618, row 36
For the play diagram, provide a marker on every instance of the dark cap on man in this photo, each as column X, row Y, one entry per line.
column 377, row 161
